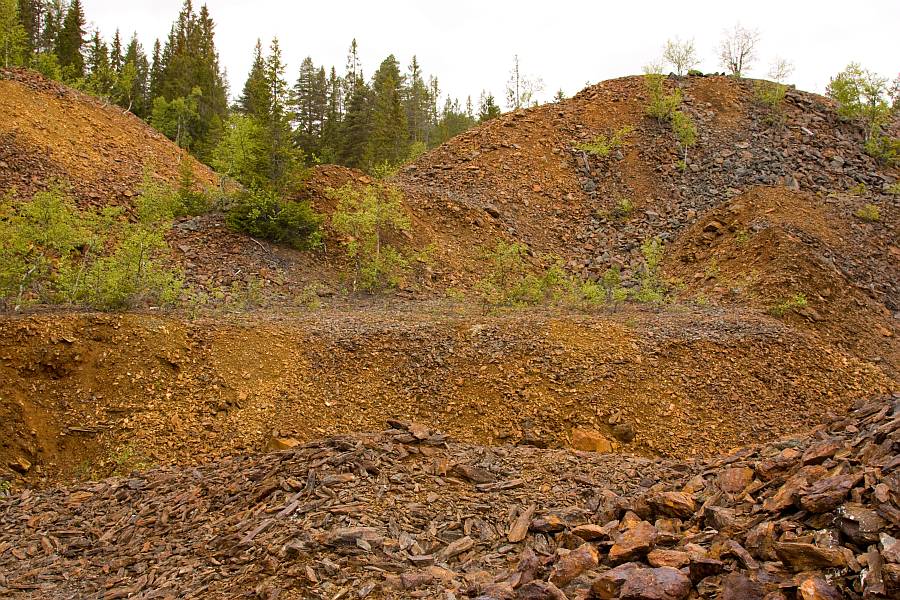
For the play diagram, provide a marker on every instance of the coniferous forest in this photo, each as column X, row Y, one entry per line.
column 278, row 120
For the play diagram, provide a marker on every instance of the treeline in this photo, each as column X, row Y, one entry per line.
column 278, row 122
column 344, row 119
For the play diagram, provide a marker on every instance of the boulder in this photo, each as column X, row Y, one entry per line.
column 589, row 440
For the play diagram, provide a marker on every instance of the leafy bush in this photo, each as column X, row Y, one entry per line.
column 862, row 94
column 651, row 286
column 894, row 189
column 261, row 213
column 47, row 64
column 794, row 302
column 191, row 200
column 365, row 216
column 612, row 286
column 884, row 148
column 51, row 252
column 770, row 95
column 624, row 208
column 605, row 144
column 685, row 131
column 869, row 212
column 662, row 104
column 511, row 283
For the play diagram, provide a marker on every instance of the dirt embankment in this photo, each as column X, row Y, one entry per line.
column 85, row 394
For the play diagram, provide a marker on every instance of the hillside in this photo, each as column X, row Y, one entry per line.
column 738, row 440
column 51, row 134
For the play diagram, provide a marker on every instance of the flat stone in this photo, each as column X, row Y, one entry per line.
column 668, row 558
column 574, row 564
column 633, row 543
column 663, row 583
column 808, row 557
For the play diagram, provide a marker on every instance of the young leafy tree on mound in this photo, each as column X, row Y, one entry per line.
column 365, row 216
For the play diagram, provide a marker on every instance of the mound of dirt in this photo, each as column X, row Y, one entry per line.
column 86, row 395
column 766, row 247
column 521, row 176
column 408, row 513
column 52, row 135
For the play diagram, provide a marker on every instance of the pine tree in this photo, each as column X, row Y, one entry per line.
column 355, row 128
column 12, row 34
column 487, row 107
column 416, row 103
column 353, row 74
column 135, row 98
column 389, row 142
column 54, row 14
column 156, row 71
column 31, row 13
column 70, row 42
column 100, row 78
column 116, row 60
column 256, row 99
column 331, row 128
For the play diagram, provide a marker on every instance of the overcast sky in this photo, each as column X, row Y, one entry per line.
column 470, row 44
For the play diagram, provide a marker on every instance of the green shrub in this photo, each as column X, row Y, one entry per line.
column 53, row 253
column 869, row 212
column 770, row 95
column 47, row 64
column 862, row 94
column 365, row 216
column 511, row 283
column 624, row 208
column 261, row 213
column 605, row 144
column 794, row 302
column 651, row 286
column 884, row 148
column 612, row 286
column 191, row 200
column 662, row 104
column 685, row 131
column 894, row 189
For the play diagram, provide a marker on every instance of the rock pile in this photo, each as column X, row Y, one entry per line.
column 408, row 513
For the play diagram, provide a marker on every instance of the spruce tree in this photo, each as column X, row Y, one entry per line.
column 12, row 34
column 389, row 141
column 156, row 71
column 416, row 103
column 53, row 16
column 255, row 100
column 487, row 108
column 331, row 128
column 70, row 42
column 137, row 97
column 116, row 59
column 309, row 104
column 100, row 77
column 31, row 14
column 282, row 157
column 188, row 60
column 353, row 74
column 355, row 128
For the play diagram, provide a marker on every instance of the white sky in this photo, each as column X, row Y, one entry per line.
column 469, row 44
